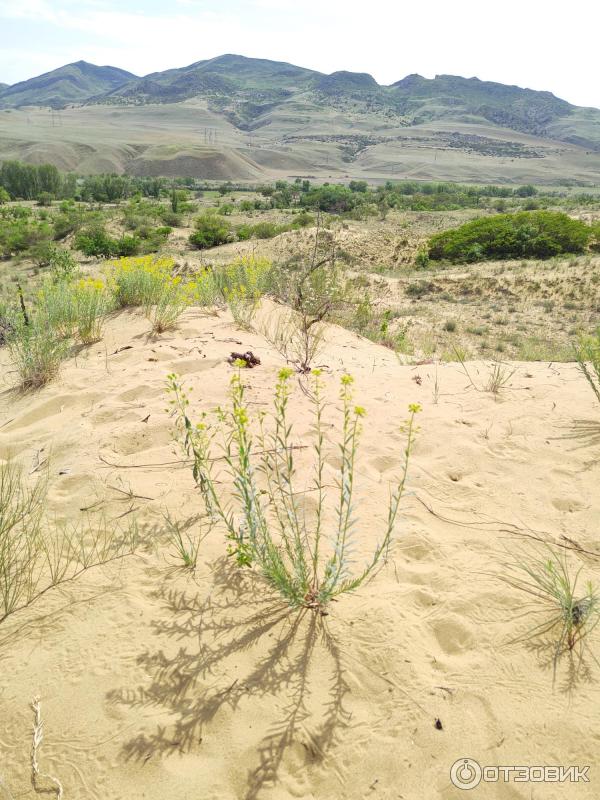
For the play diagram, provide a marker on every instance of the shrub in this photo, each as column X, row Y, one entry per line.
column 56, row 308
column 45, row 199
column 535, row 234
column 266, row 230
column 170, row 301
column 138, row 281
column 94, row 241
column 41, row 254
column 8, row 321
column 315, row 290
column 92, row 303
column 18, row 233
column 211, row 230
column 419, row 289
column 333, row 198
column 422, row 259
column 291, row 547
column 595, row 237
column 62, row 264
column 170, row 218
column 248, row 274
column 241, row 285
column 205, row 289
column 36, row 351
column 126, row 246
column 262, row 230
column 303, row 220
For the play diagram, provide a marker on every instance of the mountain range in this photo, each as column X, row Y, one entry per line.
column 245, row 117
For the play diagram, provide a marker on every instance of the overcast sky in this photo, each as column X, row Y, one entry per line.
column 532, row 43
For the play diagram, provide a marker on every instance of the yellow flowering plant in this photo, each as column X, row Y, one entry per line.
column 302, row 556
column 138, row 281
column 242, row 284
column 91, row 302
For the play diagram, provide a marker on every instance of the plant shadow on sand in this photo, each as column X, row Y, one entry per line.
column 576, row 667
column 294, row 660
column 584, row 431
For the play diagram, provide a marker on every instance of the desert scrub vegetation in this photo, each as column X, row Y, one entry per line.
column 21, row 231
column 36, row 352
column 148, row 282
column 37, row 554
column 74, row 308
column 241, row 285
column 304, row 557
column 527, row 234
column 497, row 378
column 138, row 281
column 185, row 545
column 67, row 308
column 315, row 290
column 210, row 230
column 380, row 326
column 570, row 613
column 587, row 353
column 171, row 300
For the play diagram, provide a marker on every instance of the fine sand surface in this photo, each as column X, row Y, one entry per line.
column 158, row 684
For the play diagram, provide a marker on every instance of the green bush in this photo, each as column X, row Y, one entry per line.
column 303, row 220
column 62, row 265
column 595, row 237
column 19, row 234
column 330, row 197
column 527, row 234
column 262, row 230
column 94, row 241
column 45, row 199
column 36, row 352
column 211, row 230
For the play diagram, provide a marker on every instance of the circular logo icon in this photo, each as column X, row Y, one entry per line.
column 465, row 773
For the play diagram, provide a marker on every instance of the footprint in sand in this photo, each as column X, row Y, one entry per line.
column 568, row 504
column 453, row 636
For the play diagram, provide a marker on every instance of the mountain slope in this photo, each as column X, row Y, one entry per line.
column 227, row 76
column 244, row 89
column 73, row 83
column 245, row 118
column 448, row 95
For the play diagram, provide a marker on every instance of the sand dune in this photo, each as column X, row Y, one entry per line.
column 161, row 685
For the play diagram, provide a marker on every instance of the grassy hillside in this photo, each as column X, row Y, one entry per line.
column 270, row 119
column 73, row 83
